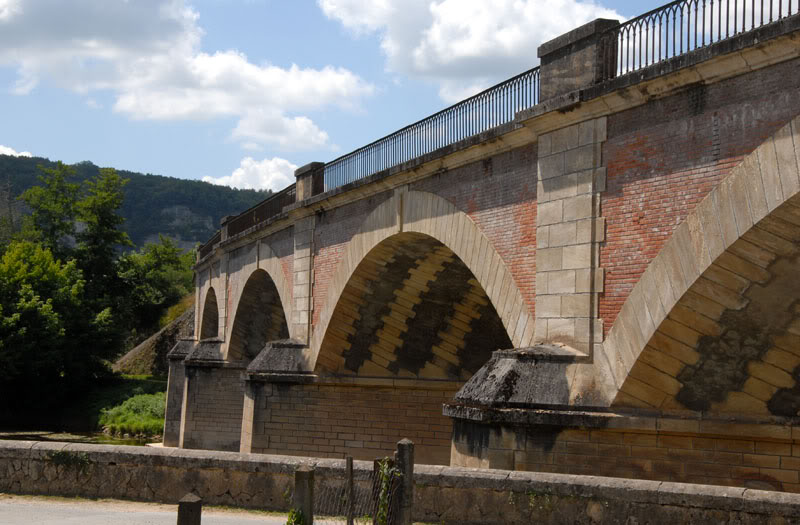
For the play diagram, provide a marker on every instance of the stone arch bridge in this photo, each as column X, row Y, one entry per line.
column 590, row 268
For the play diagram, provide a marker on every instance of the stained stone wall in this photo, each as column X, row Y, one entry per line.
column 441, row 494
column 212, row 414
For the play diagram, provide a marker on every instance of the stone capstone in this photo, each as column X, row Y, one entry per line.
column 521, row 377
column 206, row 352
column 281, row 361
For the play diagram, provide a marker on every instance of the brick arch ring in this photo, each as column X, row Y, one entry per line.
column 766, row 179
column 267, row 261
column 429, row 214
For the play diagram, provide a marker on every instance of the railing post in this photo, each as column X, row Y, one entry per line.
column 576, row 60
column 303, row 499
column 350, row 492
column 223, row 227
column 310, row 180
column 190, row 510
column 405, row 464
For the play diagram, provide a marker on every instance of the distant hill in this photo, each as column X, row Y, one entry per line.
column 188, row 211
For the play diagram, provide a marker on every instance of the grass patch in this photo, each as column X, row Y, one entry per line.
column 142, row 414
column 83, row 414
column 176, row 310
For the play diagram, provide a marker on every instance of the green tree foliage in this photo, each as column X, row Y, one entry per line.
column 185, row 209
column 156, row 277
column 100, row 237
column 53, row 208
column 47, row 343
column 68, row 298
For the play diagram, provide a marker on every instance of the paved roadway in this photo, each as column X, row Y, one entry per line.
column 33, row 510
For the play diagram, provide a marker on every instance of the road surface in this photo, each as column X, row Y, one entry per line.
column 39, row 510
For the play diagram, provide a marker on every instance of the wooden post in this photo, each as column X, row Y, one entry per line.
column 405, row 464
column 350, row 492
column 190, row 510
column 303, row 499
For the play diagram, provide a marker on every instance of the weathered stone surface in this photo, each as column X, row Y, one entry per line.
column 280, row 357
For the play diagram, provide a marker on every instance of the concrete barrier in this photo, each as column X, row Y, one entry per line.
column 441, row 494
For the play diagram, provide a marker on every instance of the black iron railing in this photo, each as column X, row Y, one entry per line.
column 207, row 247
column 262, row 211
column 687, row 25
column 486, row 110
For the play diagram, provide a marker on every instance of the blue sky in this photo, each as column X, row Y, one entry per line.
column 241, row 92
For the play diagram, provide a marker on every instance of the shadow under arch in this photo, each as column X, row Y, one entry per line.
column 411, row 309
column 259, row 318
column 413, row 212
column 209, row 324
column 713, row 325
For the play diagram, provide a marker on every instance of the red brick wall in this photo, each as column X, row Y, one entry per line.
column 499, row 194
column 664, row 157
column 332, row 232
column 364, row 422
column 282, row 244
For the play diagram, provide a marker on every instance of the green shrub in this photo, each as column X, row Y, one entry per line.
column 140, row 415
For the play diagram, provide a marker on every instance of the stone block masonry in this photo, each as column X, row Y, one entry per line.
column 335, row 420
column 441, row 494
column 302, row 278
column 569, row 232
column 213, row 415
column 713, row 452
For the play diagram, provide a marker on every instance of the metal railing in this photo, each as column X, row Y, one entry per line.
column 262, row 211
column 486, row 110
column 683, row 26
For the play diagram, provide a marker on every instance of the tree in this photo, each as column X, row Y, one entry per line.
column 156, row 277
column 100, row 235
column 46, row 333
column 53, row 209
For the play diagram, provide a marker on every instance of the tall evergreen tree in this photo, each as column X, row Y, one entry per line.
column 53, row 209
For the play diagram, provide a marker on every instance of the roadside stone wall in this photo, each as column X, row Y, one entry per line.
column 441, row 494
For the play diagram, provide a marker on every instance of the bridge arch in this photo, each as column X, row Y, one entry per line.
column 427, row 233
column 259, row 318
column 713, row 325
column 209, row 320
column 260, row 305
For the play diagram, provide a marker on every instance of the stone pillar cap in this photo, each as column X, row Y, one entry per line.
column 311, row 166
column 594, row 27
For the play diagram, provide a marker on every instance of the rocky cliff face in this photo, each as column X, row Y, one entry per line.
column 150, row 357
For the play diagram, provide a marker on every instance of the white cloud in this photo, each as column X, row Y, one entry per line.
column 266, row 127
column 5, row 150
column 274, row 174
column 9, row 8
column 147, row 53
column 463, row 45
